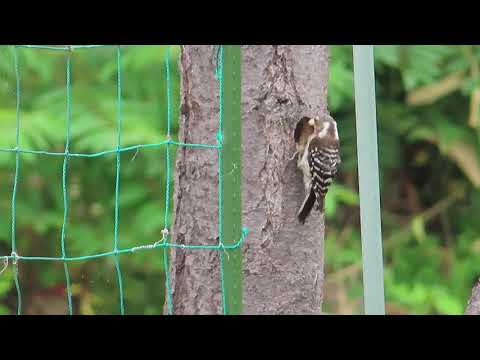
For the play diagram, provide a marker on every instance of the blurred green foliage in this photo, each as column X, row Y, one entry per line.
column 91, row 182
column 428, row 113
column 428, row 104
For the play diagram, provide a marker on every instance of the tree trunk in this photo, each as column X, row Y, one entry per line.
column 283, row 260
column 473, row 307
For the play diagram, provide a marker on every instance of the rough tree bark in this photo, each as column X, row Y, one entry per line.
column 283, row 261
column 473, row 307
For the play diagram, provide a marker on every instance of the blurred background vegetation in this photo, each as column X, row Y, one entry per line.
column 91, row 181
column 428, row 113
column 428, row 119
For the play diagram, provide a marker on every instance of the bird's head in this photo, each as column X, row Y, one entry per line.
column 324, row 126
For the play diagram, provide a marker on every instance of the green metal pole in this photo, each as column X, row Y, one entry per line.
column 232, row 176
column 368, row 175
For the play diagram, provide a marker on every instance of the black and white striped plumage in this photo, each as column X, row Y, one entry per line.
column 319, row 157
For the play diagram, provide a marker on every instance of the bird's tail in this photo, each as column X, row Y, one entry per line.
column 306, row 207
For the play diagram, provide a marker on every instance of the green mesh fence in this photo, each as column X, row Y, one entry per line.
column 165, row 243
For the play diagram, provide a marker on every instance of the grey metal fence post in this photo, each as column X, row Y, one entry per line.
column 368, row 174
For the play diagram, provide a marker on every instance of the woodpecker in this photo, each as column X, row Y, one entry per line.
column 318, row 156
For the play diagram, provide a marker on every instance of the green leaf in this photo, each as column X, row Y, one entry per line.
column 446, row 304
column 6, row 280
column 418, row 228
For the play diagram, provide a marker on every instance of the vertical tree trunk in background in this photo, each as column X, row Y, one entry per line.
column 473, row 307
column 283, row 260
column 195, row 280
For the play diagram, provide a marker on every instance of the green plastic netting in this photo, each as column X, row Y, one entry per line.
column 165, row 243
